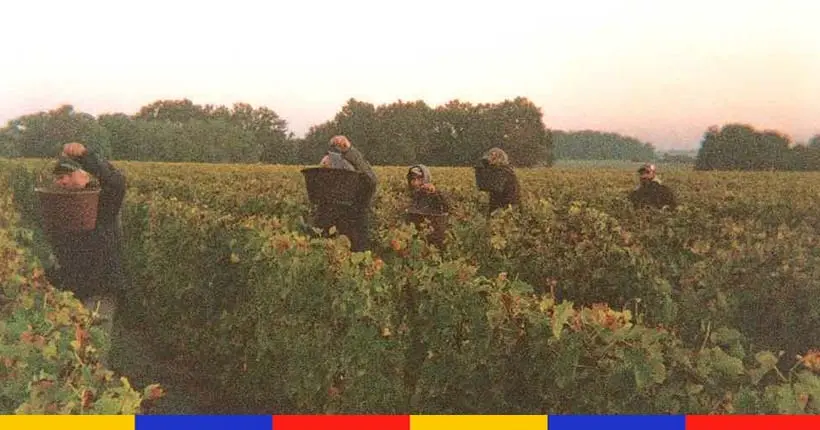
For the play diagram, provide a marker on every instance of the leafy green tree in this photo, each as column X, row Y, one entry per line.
column 597, row 145
column 741, row 147
column 42, row 134
column 518, row 128
column 177, row 111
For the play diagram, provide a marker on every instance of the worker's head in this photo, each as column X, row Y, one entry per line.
column 69, row 174
column 647, row 173
column 417, row 176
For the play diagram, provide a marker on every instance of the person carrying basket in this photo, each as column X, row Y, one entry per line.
column 350, row 219
column 89, row 262
column 495, row 175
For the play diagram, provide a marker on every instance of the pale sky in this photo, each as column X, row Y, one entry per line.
column 661, row 71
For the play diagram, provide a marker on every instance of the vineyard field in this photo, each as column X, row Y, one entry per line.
column 573, row 303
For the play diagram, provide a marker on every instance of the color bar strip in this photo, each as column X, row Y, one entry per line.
column 407, row 422
column 478, row 422
column 752, row 422
column 67, row 422
column 204, row 422
column 341, row 422
column 617, row 422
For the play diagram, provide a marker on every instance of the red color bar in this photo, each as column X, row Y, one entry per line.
column 752, row 422
column 341, row 422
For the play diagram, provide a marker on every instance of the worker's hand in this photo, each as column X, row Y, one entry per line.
column 325, row 161
column 430, row 188
column 74, row 149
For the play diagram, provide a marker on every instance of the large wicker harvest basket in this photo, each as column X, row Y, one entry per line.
column 334, row 186
column 490, row 178
column 68, row 211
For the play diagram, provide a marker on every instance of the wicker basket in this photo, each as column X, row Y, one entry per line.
column 334, row 186
column 490, row 179
column 65, row 211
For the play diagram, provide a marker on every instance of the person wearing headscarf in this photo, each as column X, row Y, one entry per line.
column 424, row 193
column 428, row 203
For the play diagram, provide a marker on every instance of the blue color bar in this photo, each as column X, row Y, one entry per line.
column 616, row 422
column 204, row 422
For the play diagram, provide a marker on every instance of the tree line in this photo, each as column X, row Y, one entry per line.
column 742, row 147
column 455, row 134
column 399, row 133
column 166, row 130
column 596, row 145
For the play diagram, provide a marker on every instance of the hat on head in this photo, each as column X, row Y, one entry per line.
column 66, row 165
column 647, row 168
column 497, row 157
column 419, row 171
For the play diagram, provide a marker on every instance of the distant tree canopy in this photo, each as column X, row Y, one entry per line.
column 455, row 134
column 168, row 130
column 670, row 158
column 399, row 133
column 596, row 145
column 742, row 147
column 42, row 134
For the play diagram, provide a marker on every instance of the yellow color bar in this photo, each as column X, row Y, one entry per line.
column 478, row 422
column 67, row 422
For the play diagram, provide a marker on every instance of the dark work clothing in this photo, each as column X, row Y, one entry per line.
column 352, row 221
column 428, row 202
column 356, row 158
column 90, row 263
column 434, row 203
column 337, row 161
column 425, row 201
column 652, row 194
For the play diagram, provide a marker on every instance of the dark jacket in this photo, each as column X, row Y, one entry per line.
column 425, row 201
column 424, row 204
column 354, row 157
column 428, row 202
column 90, row 263
column 652, row 194
column 337, row 161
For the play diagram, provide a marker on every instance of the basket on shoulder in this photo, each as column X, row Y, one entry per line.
column 489, row 177
column 334, row 186
column 65, row 209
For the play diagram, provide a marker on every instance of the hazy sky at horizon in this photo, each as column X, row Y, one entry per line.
column 660, row 72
